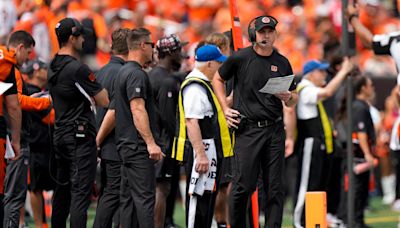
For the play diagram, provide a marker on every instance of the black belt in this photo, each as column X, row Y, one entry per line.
column 263, row 123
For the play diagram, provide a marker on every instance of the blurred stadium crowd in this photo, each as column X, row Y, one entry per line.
column 308, row 29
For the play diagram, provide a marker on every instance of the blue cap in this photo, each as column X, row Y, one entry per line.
column 314, row 65
column 209, row 53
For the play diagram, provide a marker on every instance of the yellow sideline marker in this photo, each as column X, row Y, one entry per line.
column 316, row 210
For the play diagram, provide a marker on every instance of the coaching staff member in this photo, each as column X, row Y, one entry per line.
column 110, row 161
column 74, row 130
column 135, row 127
column 260, row 138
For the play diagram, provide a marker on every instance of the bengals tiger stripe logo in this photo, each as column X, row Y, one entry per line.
column 92, row 78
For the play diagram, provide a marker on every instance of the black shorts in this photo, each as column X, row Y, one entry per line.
column 39, row 174
column 227, row 170
column 165, row 168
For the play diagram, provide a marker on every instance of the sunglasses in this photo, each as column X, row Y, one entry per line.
column 151, row 43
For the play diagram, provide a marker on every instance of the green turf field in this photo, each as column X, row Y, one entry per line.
column 377, row 216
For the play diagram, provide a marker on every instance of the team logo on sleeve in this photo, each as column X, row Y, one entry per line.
column 92, row 78
column 274, row 68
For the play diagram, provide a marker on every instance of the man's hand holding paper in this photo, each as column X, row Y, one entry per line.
column 278, row 85
column 284, row 96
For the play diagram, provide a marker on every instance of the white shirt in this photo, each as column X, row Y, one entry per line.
column 8, row 17
column 395, row 53
column 394, row 139
column 375, row 115
column 195, row 100
column 308, row 100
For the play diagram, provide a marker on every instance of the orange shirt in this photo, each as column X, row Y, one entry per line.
column 52, row 32
column 99, row 23
column 248, row 10
column 202, row 10
column 49, row 119
column 7, row 61
column 29, row 103
column 116, row 4
column 222, row 20
column 171, row 10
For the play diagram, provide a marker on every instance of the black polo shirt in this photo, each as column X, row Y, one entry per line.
column 165, row 90
column 106, row 77
column 39, row 139
column 132, row 82
column 250, row 72
column 69, row 103
column 362, row 122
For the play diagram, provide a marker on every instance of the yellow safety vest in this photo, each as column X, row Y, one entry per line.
column 326, row 124
column 180, row 141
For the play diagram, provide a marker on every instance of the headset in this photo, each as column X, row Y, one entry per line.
column 251, row 28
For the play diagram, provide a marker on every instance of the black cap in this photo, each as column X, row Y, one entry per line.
column 265, row 21
column 67, row 27
column 32, row 65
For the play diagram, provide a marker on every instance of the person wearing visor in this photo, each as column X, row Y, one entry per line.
column 257, row 119
column 315, row 142
column 75, row 92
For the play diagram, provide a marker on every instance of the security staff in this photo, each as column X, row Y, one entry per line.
column 223, row 42
column 136, row 128
column 260, row 138
column 165, row 90
column 111, row 163
column 10, row 58
column 73, row 89
column 315, row 137
column 364, row 139
column 39, row 142
column 202, row 125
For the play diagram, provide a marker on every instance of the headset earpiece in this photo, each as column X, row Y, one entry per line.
column 251, row 30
